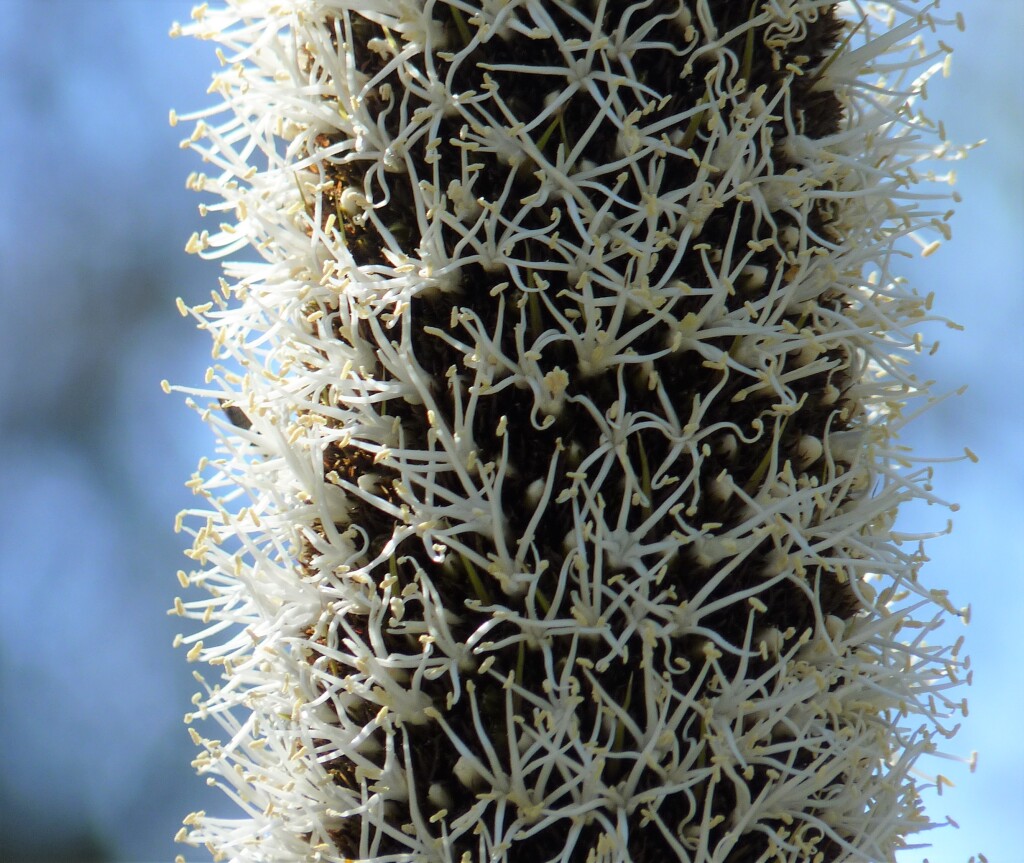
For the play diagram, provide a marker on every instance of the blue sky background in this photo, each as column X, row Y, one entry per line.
column 93, row 456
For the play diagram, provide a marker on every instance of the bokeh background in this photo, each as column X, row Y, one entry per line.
column 94, row 758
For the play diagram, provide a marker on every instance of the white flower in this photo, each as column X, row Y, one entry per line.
column 552, row 518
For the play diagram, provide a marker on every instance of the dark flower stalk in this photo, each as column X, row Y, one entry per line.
column 553, row 514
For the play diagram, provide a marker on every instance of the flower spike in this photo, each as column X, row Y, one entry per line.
column 557, row 403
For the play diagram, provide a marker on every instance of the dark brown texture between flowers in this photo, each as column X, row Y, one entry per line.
column 573, row 432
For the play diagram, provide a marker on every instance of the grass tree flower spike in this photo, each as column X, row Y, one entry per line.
column 557, row 395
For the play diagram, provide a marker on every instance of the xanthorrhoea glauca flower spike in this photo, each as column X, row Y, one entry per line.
column 552, row 520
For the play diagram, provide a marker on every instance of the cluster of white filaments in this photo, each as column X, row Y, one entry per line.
column 553, row 515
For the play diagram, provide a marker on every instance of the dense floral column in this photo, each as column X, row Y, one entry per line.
column 557, row 393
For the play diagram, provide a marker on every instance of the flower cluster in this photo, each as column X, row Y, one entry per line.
column 553, row 513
